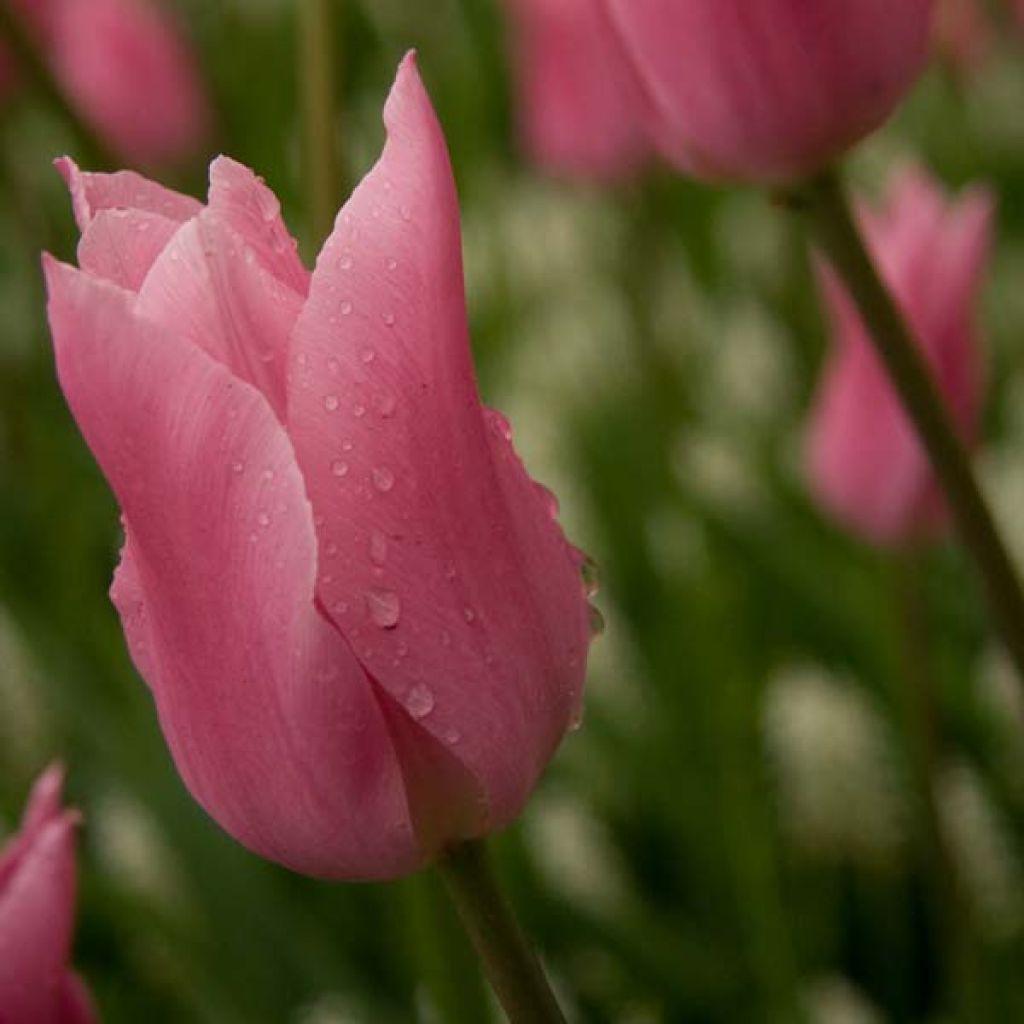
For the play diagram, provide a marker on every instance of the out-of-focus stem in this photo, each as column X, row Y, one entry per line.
column 823, row 205
column 33, row 68
column 510, row 964
column 316, row 66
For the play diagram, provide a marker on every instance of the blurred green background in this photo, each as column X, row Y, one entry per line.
column 739, row 831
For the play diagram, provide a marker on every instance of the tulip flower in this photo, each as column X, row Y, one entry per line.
column 125, row 68
column 865, row 462
column 579, row 103
column 770, row 90
column 37, row 909
column 363, row 628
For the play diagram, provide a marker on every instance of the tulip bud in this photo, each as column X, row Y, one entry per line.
column 37, row 909
column 126, row 70
column 865, row 461
column 363, row 628
column 770, row 90
column 580, row 107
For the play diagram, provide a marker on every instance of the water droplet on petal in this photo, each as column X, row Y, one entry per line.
column 388, row 318
column 345, row 263
column 238, row 466
column 263, row 518
column 591, row 576
column 405, row 213
column 392, row 263
column 419, row 701
column 383, row 479
column 345, row 308
column 452, row 736
column 339, row 468
column 368, row 355
column 378, row 548
column 384, row 607
column 268, row 474
column 332, row 366
column 358, row 411
column 331, row 403
column 468, row 614
column 446, row 638
column 387, row 405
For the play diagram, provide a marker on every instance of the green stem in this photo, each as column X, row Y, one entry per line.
column 831, row 224
column 33, row 68
column 511, row 966
column 316, row 61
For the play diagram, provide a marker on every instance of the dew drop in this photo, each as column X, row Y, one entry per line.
column 368, row 355
column 452, row 736
column 392, row 263
column 468, row 614
column 268, row 474
column 419, row 701
column 383, row 479
column 446, row 638
column 345, row 263
column 405, row 213
column 591, row 576
column 332, row 366
column 378, row 548
column 263, row 518
column 384, row 607
column 331, row 403
column 346, row 445
column 358, row 411
column 388, row 318
column 339, row 468
column 388, row 404
column 249, row 256
column 238, row 466
column 339, row 607
column 345, row 308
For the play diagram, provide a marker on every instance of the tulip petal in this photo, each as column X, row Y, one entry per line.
column 207, row 286
column 122, row 190
column 122, row 245
column 42, row 808
column 245, row 203
column 36, row 916
column 76, row 1005
column 440, row 561
column 273, row 725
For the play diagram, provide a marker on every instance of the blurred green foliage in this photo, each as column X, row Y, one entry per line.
column 738, row 832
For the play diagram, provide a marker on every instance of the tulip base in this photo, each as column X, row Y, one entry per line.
column 509, row 963
column 823, row 205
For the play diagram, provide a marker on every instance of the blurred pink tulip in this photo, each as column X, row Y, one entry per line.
column 363, row 628
column 580, row 106
column 770, row 90
column 865, row 462
column 37, row 910
column 126, row 69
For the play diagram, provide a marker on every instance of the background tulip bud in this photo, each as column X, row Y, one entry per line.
column 865, row 462
column 770, row 90
column 580, row 107
column 37, row 909
column 124, row 66
column 363, row 628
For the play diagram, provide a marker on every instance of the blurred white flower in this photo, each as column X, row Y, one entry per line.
column 573, row 850
column 980, row 843
column 840, row 790
column 835, row 1000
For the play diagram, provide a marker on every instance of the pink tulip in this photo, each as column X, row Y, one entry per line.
column 865, row 462
column 580, row 104
column 126, row 69
column 770, row 90
column 37, row 909
column 364, row 631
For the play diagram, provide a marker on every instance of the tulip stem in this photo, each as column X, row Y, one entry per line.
column 510, row 964
column 317, row 72
column 823, row 204
column 33, row 68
